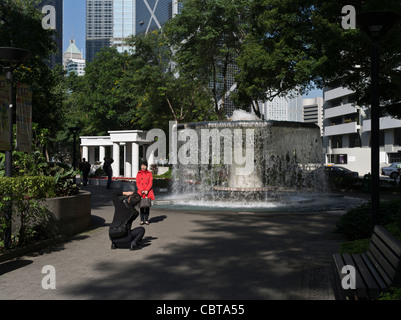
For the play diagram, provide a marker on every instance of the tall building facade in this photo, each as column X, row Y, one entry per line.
column 53, row 19
column 99, row 26
column 347, row 130
column 152, row 14
column 73, row 60
column 283, row 108
column 313, row 111
column 111, row 22
column 72, row 52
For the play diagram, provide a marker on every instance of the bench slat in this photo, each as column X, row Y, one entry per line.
column 382, row 284
column 386, row 252
column 371, row 283
column 339, row 292
column 380, row 270
column 387, row 237
column 380, row 260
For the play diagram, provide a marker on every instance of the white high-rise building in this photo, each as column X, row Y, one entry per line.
column 283, row 108
column 76, row 65
column 72, row 52
column 73, row 60
column 313, row 111
column 347, row 130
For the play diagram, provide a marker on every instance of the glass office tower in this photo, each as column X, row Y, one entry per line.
column 110, row 23
column 124, row 23
column 99, row 26
column 152, row 14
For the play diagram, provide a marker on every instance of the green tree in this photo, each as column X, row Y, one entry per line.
column 93, row 101
column 291, row 44
column 207, row 38
column 21, row 27
column 162, row 92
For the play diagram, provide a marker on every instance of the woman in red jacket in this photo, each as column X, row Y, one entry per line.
column 144, row 183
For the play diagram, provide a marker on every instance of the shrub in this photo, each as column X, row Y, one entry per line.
column 357, row 222
column 393, row 294
column 356, row 246
column 26, row 194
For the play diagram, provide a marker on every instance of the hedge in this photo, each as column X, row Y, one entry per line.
column 26, row 194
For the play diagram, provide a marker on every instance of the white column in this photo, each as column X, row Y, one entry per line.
column 91, row 159
column 128, row 159
column 102, row 153
column 135, row 159
column 116, row 158
column 85, row 152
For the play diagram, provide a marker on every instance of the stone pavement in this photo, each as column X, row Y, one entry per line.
column 186, row 255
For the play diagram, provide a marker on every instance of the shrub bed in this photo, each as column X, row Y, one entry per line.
column 357, row 222
column 26, row 194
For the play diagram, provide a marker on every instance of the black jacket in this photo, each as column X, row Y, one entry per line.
column 123, row 211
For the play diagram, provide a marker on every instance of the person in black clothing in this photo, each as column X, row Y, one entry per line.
column 85, row 167
column 108, row 170
column 124, row 204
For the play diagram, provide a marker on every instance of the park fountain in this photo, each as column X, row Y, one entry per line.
column 249, row 164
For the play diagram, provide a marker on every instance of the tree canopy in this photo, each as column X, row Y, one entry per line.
column 21, row 27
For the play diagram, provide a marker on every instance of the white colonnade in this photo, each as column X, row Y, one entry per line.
column 123, row 146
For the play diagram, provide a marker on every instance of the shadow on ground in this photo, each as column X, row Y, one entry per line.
column 224, row 257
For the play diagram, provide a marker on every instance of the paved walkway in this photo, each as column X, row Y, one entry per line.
column 187, row 255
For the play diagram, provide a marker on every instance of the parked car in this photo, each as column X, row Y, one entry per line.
column 392, row 170
column 340, row 172
column 330, row 171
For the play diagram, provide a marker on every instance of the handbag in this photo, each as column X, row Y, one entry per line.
column 145, row 203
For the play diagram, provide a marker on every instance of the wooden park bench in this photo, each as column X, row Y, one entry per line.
column 375, row 270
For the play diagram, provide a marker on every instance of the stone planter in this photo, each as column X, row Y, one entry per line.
column 73, row 213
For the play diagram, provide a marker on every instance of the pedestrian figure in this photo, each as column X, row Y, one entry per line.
column 85, row 167
column 144, row 183
column 124, row 214
column 108, row 170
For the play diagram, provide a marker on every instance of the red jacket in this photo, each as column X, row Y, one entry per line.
column 144, row 182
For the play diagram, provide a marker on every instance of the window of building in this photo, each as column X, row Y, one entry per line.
column 354, row 140
column 336, row 142
column 397, row 136
column 337, row 158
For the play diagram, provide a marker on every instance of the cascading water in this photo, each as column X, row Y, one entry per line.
column 248, row 163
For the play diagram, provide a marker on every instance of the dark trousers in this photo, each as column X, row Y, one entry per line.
column 145, row 214
column 85, row 178
column 109, row 176
column 135, row 235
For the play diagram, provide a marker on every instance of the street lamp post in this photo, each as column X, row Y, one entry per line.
column 375, row 25
column 74, row 131
column 10, row 59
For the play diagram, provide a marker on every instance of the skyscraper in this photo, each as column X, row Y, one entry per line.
column 99, row 26
column 152, row 14
column 283, row 108
column 53, row 19
column 110, row 23
column 123, row 22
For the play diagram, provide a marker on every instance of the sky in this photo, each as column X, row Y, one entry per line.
column 74, row 23
column 74, row 27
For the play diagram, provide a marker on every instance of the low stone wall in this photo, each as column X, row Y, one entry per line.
column 73, row 213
